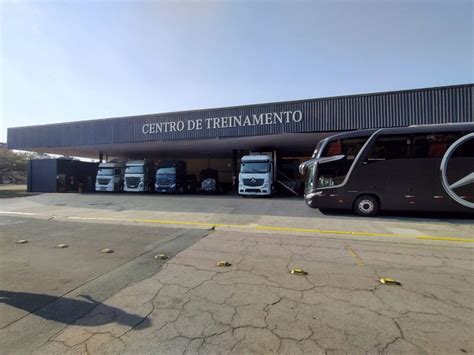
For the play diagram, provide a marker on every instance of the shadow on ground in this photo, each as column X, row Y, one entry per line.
column 419, row 216
column 68, row 310
column 12, row 194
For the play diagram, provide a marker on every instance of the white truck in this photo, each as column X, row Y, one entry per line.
column 110, row 177
column 140, row 176
column 257, row 174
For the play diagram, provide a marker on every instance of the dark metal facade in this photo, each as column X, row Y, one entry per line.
column 389, row 109
column 60, row 175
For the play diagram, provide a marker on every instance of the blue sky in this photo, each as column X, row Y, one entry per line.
column 73, row 60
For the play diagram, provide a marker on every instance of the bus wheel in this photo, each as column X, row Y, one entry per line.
column 366, row 206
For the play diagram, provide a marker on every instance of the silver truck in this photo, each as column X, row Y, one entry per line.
column 140, row 176
column 110, row 177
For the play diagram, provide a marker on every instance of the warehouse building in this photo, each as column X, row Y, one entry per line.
column 217, row 137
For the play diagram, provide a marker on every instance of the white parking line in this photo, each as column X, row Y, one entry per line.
column 21, row 213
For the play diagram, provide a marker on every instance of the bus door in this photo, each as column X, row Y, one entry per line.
column 387, row 172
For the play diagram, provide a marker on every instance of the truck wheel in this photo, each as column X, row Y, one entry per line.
column 367, row 206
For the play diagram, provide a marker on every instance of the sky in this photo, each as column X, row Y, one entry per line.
column 73, row 60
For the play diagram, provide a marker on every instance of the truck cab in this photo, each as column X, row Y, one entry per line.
column 171, row 177
column 257, row 174
column 139, row 176
column 110, row 177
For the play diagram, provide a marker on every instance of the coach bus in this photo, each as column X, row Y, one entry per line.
column 416, row 168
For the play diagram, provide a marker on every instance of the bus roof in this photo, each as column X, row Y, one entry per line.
column 446, row 127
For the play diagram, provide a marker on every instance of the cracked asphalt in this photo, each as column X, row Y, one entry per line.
column 78, row 301
column 256, row 306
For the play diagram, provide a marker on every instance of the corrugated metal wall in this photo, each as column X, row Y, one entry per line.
column 389, row 109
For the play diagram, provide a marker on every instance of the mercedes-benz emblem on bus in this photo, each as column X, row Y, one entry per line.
column 253, row 180
column 466, row 180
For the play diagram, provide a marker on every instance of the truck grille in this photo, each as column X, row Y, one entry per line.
column 253, row 182
column 164, row 181
column 132, row 182
column 103, row 181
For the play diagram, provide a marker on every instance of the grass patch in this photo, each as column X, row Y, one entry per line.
column 11, row 191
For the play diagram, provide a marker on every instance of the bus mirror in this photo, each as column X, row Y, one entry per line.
column 304, row 166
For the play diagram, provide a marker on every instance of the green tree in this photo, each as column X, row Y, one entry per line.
column 11, row 161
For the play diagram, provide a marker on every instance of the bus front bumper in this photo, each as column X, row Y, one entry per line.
column 318, row 199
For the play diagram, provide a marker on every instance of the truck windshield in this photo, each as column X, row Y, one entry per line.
column 259, row 167
column 166, row 171
column 134, row 170
column 106, row 171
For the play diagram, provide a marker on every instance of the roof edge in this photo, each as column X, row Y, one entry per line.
column 256, row 104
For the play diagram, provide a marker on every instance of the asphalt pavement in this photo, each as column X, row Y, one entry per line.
column 77, row 299
column 43, row 287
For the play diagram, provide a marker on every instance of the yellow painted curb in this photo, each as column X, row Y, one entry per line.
column 269, row 228
column 464, row 240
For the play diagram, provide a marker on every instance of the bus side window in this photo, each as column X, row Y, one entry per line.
column 333, row 148
column 432, row 145
column 388, row 147
column 466, row 150
column 348, row 146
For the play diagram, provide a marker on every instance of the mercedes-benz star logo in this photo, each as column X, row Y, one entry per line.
column 253, row 180
column 468, row 179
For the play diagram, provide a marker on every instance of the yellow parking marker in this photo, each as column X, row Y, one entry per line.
column 389, row 281
column 356, row 257
column 223, row 263
column 297, row 271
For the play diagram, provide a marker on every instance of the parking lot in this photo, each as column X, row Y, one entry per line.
column 79, row 300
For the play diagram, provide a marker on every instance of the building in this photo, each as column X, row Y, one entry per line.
column 217, row 137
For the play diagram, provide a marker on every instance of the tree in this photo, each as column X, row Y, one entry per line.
column 14, row 165
column 12, row 161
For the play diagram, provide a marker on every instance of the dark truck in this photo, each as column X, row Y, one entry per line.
column 172, row 177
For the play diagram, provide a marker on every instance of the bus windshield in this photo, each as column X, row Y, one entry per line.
column 310, row 177
column 348, row 146
column 334, row 173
